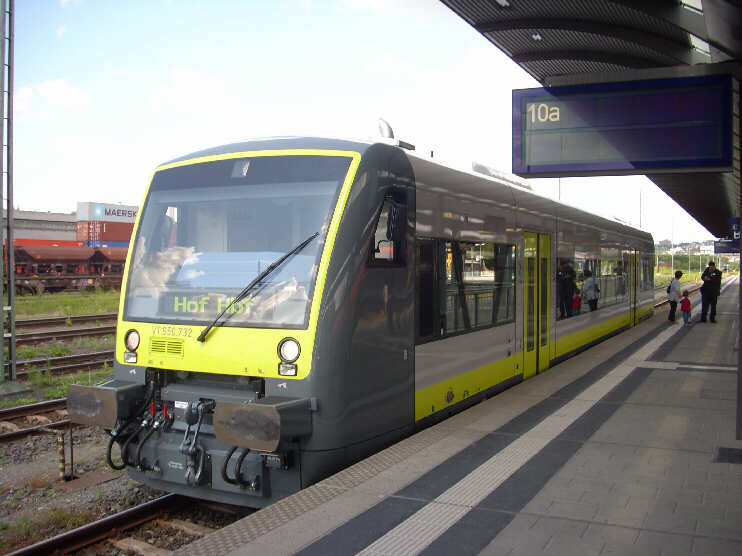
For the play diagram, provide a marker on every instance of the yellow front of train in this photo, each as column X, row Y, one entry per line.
column 209, row 228
column 218, row 316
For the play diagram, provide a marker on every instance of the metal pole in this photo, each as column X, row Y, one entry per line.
column 2, row 181
column 736, row 174
column 11, row 250
column 60, row 456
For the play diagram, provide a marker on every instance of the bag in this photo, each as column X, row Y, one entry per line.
column 669, row 286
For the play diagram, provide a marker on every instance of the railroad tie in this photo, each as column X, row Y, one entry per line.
column 187, row 527
column 140, row 547
column 7, row 426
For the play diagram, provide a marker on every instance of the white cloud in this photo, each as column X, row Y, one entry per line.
column 186, row 91
column 22, row 99
column 65, row 3
column 61, row 30
column 61, row 94
column 380, row 6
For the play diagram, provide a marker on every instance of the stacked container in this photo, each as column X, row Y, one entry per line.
column 105, row 225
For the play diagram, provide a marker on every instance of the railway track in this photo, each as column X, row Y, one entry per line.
column 32, row 409
column 29, row 324
column 32, row 338
column 174, row 513
column 103, row 528
column 64, row 363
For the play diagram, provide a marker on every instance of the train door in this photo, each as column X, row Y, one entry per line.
column 536, row 302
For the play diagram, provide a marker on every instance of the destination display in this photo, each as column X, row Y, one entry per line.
column 726, row 246
column 635, row 127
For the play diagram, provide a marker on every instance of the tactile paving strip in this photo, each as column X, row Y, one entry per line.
column 258, row 524
column 414, row 534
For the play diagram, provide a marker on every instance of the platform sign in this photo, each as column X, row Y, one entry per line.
column 635, row 127
column 734, row 227
column 726, row 246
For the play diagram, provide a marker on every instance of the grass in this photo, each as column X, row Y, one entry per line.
column 17, row 401
column 66, row 303
column 57, row 348
column 48, row 387
column 30, row 529
column 59, row 386
column 664, row 279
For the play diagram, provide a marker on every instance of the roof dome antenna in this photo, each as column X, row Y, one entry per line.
column 385, row 129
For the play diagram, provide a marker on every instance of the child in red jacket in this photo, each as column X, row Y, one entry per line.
column 685, row 308
column 576, row 303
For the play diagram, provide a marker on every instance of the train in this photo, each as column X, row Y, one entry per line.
column 293, row 305
column 46, row 267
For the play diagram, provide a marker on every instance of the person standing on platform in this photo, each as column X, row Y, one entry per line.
column 591, row 290
column 565, row 289
column 685, row 308
column 710, row 290
column 673, row 295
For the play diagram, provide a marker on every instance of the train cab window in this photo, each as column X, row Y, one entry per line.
column 388, row 247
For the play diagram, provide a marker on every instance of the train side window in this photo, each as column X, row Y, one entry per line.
column 478, row 289
column 388, row 248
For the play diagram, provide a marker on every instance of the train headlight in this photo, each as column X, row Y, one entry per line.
column 288, row 350
column 131, row 340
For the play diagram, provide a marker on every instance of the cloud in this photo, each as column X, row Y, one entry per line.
column 61, row 30
column 65, row 3
column 61, row 94
column 381, row 6
column 22, row 99
column 186, row 90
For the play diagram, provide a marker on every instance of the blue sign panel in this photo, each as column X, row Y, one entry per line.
column 726, row 246
column 635, row 127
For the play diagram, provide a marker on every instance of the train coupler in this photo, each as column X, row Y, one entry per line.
column 193, row 451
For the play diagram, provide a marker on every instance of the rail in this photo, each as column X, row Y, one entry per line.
column 103, row 528
column 63, row 363
column 32, row 409
column 62, row 321
column 39, row 337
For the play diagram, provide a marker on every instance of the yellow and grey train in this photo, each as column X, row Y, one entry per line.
column 292, row 305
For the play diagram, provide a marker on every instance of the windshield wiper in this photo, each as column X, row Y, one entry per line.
column 240, row 296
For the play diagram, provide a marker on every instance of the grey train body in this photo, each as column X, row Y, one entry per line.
column 369, row 359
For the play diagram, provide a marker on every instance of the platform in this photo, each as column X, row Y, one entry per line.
column 609, row 452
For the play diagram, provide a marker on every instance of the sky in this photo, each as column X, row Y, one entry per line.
column 106, row 90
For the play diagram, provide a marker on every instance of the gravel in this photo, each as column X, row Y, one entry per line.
column 34, row 507
column 32, row 447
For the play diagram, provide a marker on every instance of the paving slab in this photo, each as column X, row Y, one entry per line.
column 608, row 453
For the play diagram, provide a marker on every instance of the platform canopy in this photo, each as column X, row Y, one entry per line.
column 567, row 42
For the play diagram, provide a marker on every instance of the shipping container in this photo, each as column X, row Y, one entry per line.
column 104, row 231
column 115, row 231
column 87, row 212
column 124, row 244
column 20, row 241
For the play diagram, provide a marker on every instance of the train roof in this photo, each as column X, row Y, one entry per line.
column 288, row 142
column 518, row 195
column 472, row 185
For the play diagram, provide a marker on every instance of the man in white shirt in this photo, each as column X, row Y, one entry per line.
column 674, row 296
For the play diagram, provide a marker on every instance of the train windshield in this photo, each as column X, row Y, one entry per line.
column 207, row 230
